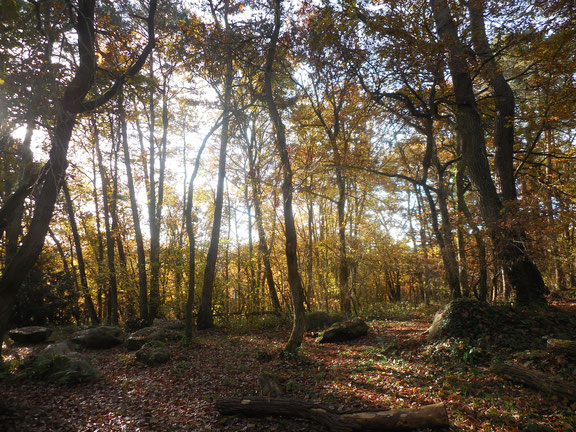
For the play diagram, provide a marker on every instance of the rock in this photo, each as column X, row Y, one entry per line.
column 169, row 324
column 140, row 337
column 60, row 364
column 60, row 348
column 133, row 324
column 32, row 334
column 343, row 331
column 462, row 318
column 99, row 337
column 153, row 353
column 482, row 324
column 319, row 320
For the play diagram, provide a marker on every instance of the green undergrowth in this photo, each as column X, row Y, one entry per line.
column 399, row 311
column 240, row 324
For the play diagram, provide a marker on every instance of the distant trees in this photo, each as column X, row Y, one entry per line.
column 269, row 160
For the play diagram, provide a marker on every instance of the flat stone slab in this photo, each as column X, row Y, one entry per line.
column 140, row 337
column 99, row 337
column 31, row 334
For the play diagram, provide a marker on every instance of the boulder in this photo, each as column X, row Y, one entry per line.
column 501, row 325
column 320, row 319
column 137, row 339
column 169, row 324
column 32, row 334
column 99, row 337
column 60, row 348
column 343, row 331
column 463, row 318
column 153, row 353
column 133, row 324
column 60, row 364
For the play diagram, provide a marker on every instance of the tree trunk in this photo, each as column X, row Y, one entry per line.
column 509, row 242
column 205, row 317
column 89, row 304
column 112, row 307
column 14, row 226
column 430, row 416
column 141, row 254
column 262, row 242
column 294, row 280
column 446, row 247
column 190, row 233
column 548, row 384
column 504, row 103
column 462, row 254
column 152, row 203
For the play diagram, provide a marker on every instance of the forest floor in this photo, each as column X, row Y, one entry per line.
column 392, row 367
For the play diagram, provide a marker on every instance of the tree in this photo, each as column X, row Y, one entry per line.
column 509, row 244
column 294, row 279
column 205, row 318
column 52, row 175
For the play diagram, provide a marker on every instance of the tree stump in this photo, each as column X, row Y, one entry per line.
column 430, row 416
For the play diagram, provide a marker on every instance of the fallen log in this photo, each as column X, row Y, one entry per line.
column 547, row 383
column 561, row 346
column 430, row 416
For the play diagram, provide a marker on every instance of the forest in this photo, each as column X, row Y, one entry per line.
column 287, row 215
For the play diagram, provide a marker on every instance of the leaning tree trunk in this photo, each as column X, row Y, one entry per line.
column 509, row 242
column 294, row 279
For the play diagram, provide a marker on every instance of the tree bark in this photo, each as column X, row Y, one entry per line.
column 509, row 242
column 294, row 280
column 430, row 416
column 504, row 103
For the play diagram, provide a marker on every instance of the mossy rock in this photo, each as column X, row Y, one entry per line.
column 504, row 326
column 318, row 320
column 344, row 331
column 169, row 324
column 153, row 353
column 137, row 339
column 70, row 368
